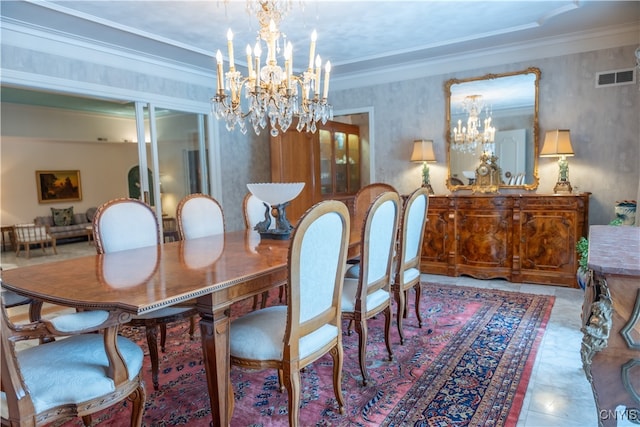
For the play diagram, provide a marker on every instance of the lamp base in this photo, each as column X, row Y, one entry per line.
column 428, row 187
column 562, row 187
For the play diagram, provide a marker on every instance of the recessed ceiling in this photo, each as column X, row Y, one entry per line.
column 357, row 36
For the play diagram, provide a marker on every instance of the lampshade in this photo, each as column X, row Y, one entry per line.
column 557, row 143
column 423, row 151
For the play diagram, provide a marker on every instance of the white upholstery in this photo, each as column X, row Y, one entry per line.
column 120, row 271
column 260, row 335
column 78, row 321
column 71, row 370
column 373, row 300
column 127, row 226
column 201, row 216
column 382, row 233
column 255, row 210
column 415, row 222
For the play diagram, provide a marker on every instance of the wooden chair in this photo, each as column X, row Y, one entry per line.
column 122, row 224
column 370, row 293
column 32, row 234
column 291, row 337
column 364, row 198
column 199, row 215
column 72, row 377
column 256, row 211
column 407, row 276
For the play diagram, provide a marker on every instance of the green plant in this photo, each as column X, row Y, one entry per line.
column 582, row 247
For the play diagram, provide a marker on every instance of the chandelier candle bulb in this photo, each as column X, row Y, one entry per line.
column 220, row 72
column 257, row 52
column 312, row 49
column 327, row 71
column 230, row 47
column 249, row 62
column 318, row 71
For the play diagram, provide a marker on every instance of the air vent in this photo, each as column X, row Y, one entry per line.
column 616, row 77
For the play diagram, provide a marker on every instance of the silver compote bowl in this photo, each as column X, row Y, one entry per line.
column 276, row 196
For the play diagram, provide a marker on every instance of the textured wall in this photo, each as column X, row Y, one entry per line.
column 604, row 125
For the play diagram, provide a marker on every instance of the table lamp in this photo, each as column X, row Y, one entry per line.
column 557, row 143
column 423, row 152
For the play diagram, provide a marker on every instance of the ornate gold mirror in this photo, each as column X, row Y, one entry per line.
column 492, row 131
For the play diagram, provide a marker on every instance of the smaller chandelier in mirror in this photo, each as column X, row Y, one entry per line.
column 478, row 131
column 273, row 94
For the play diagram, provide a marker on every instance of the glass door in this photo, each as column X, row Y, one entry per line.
column 339, row 159
column 176, row 159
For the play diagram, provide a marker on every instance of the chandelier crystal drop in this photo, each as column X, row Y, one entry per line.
column 468, row 138
column 272, row 95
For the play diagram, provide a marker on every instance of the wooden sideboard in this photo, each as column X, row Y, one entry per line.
column 611, row 323
column 519, row 237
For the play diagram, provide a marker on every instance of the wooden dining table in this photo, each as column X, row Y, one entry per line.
column 216, row 271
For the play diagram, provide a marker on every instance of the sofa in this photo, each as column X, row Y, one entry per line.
column 65, row 224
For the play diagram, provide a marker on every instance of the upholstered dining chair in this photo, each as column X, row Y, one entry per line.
column 407, row 271
column 199, row 215
column 72, row 377
column 256, row 211
column 122, row 224
column 370, row 294
column 290, row 337
column 32, row 234
column 364, row 198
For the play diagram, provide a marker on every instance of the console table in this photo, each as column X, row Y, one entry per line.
column 611, row 322
column 519, row 237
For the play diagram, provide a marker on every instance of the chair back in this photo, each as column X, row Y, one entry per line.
column 378, row 241
column 255, row 211
column 72, row 377
column 31, row 233
column 199, row 215
column 364, row 198
column 122, row 224
column 317, row 258
column 414, row 218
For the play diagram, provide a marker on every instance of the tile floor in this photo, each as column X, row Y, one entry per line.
column 558, row 393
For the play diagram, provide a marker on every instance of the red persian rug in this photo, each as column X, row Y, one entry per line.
column 469, row 365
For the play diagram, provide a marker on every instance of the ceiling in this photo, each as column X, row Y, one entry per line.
column 357, row 36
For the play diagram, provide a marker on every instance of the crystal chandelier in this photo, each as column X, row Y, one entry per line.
column 272, row 95
column 466, row 139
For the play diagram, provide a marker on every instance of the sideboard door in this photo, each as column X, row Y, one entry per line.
column 550, row 226
column 484, row 230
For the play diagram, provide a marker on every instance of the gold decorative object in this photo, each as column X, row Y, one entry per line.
column 487, row 174
column 423, row 152
column 557, row 143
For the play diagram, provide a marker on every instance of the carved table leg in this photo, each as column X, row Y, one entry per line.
column 214, row 329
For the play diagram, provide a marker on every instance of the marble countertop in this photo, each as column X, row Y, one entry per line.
column 614, row 249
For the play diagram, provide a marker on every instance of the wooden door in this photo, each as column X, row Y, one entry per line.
column 295, row 158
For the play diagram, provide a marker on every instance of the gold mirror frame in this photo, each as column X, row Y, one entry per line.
column 534, row 128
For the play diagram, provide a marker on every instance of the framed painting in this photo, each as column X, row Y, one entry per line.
column 58, row 186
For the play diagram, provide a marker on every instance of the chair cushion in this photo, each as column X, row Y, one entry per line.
column 62, row 216
column 353, row 271
column 349, row 290
column 78, row 321
column 72, row 370
column 259, row 335
column 410, row 274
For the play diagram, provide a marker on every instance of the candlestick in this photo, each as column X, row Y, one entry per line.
column 312, row 50
column 318, row 69
column 249, row 62
column 230, row 47
column 327, row 71
column 220, row 72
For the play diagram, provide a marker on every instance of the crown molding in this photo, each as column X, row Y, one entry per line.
column 574, row 43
